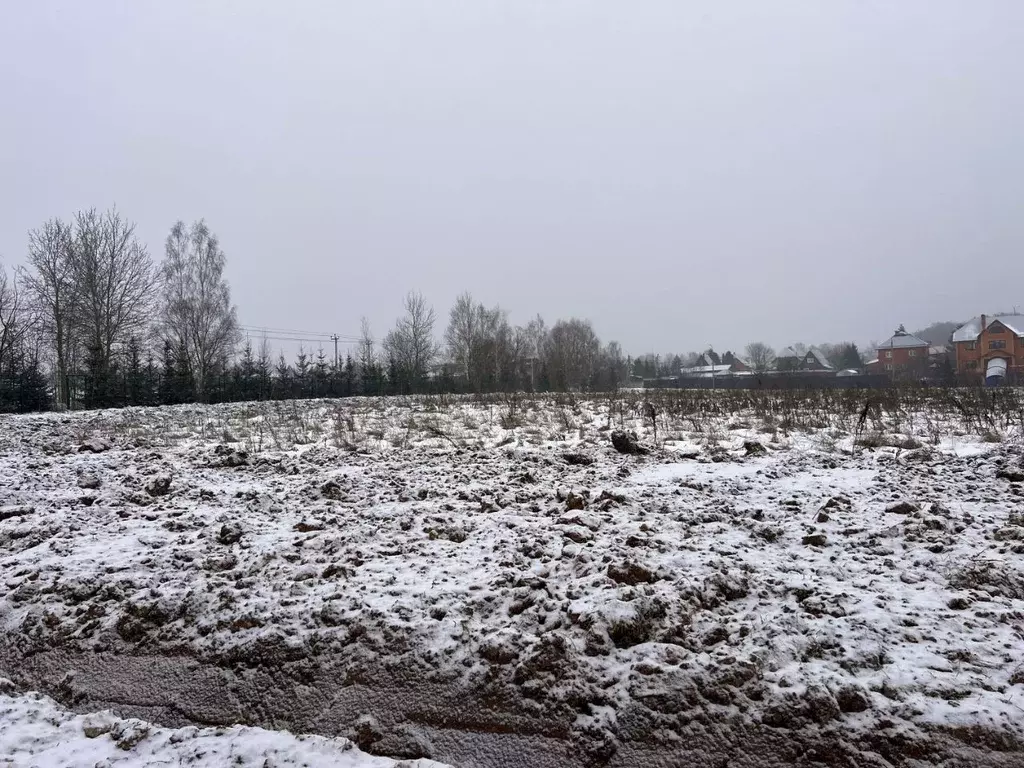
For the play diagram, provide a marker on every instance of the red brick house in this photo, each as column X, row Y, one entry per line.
column 990, row 348
column 902, row 354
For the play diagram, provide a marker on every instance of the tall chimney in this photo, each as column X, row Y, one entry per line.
column 982, row 323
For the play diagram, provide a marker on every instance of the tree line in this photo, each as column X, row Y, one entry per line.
column 93, row 321
column 90, row 315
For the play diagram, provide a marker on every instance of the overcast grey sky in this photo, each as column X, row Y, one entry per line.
column 681, row 173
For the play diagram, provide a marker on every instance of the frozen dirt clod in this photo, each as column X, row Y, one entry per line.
column 95, row 445
column 574, row 502
column 903, row 508
column 754, row 448
column 17, row 510
column 159, row 485
column 627, row 442
column 631, row 573
column 97, row 724
column 89, row 481
column 230, row 533
column 228, row 456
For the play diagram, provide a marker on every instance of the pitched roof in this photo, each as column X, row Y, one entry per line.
column 820, row 357
column 970, row 330
column 787, row 352
column 903, row 340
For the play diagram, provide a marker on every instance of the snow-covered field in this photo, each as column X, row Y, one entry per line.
column 747, row 575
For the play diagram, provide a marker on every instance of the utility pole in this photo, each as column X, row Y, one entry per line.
column 335, row 337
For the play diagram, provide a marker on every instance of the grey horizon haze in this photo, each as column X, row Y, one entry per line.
column 680, row 173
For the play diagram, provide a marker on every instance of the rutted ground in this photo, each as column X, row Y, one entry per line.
column 788, row 585
column 37, row 732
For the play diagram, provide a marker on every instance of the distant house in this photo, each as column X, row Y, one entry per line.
column 788, row 359
column 811, row 361
column 902, row 354
column 990, row 348
column 703, row 368
column 815, row 360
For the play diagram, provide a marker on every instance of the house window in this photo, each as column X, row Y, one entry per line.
column 972, row 365
column 888, row 366
column 1000, row 344
column 888, row 354
column 970, row 345
column 912, row 352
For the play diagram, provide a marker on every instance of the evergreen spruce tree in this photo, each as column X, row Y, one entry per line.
column 33, row 391
column 850, row 357
column 247, row 374
column 263, row 388
column 348, row 377
column 283, row 380
column 168, row 376
column 321, row 375
column 302, row 367
column 134, row 383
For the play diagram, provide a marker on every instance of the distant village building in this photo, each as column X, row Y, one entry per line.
column 902, row 354
column 906, row 356
column 990, row 348
column 704, row 368
column 811, row 361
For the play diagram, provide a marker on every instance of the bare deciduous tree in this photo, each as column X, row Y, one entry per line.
column 50, row 284
column 614, row 368
column 114, row 281
column 481, row 344
column 410, row 346
column 462, row 332
column 570, row 352
column 533, row 335
column 198, row 315
column 13, row 323
column 367, row 357
column 760, row 356
column 490, row 349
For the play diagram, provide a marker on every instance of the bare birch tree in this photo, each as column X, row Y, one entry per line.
column 49, row 282
column 115, row 283
column 410, row 346
column 462, row 332
column 197, row 312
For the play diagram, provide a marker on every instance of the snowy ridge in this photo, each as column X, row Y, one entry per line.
column 37, row 732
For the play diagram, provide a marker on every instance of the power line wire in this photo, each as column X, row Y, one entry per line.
column 299, row 339
column 295, row 332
